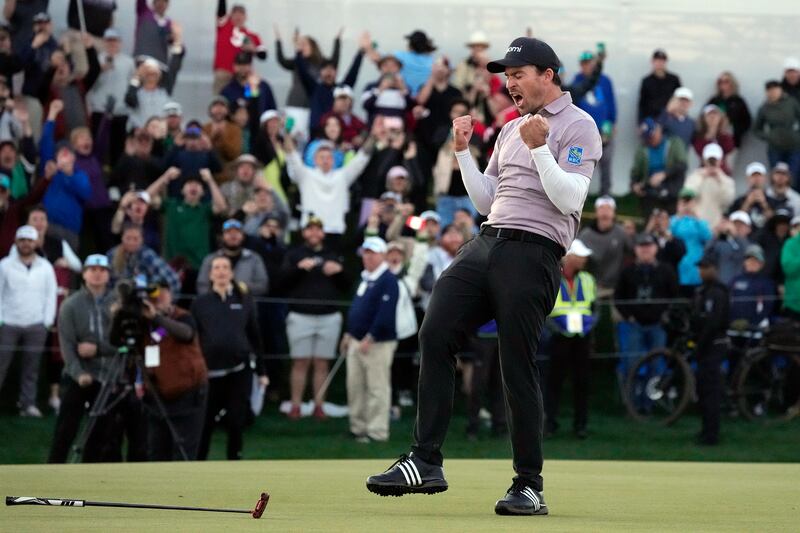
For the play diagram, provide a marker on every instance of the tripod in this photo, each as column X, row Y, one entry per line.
column 115, row 389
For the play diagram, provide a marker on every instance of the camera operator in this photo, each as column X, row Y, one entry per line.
column 180, row 379
column 228, row 331
column 84, row 324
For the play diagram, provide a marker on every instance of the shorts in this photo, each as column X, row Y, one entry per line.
column 313, row 335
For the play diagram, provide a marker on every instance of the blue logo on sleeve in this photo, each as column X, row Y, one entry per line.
column 575, row 155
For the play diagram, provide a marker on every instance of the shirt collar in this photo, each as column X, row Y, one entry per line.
column 378, row 272
column 559, row 104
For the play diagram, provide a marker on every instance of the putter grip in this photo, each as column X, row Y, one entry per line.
column 29, row 500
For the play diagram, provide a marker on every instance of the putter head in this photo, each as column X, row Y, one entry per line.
column 261, row 505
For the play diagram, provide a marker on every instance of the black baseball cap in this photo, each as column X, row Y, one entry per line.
column 659, row 53
column 643, row 239
column 526, row 51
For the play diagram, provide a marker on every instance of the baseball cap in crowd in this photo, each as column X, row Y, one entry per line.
column 740, row 216
column 755, row 251
column 97, row 260
column 781, row 167
column 112, row 34
column 231, row 223
column 687, row 194
column 143, row 196
column 27, row 232
column 526, row 51
column 269, row 114
column 781, row 215
column 709, row 259
column 218, row 100
column 172, row 109
column 579, row 249
column 771, row 84
column 193, row 177
column 420, row 42
column 710, row 108
column 246, row 158
column 647, row 128
column 791, row 63
column 64, row 145
column 342, row 91
column 151, row 61
column 478, row 38
column 755, row 168
column 193, row 132
column 396, row 245
column 712, row 151
column 795, row 221
column 5, row 182
column 605, row 200
column 374, row 244
column 683, row 92
column 660, row 53
column 41, row 16
column 643, row 239
column 314, row 220
column 397, row 171
column 389, row 57
column 393, row 196
column 431, row 215
column 586, row 55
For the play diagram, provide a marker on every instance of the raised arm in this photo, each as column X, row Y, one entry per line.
column 218, row 203
column 480, row 187
column 156, row 188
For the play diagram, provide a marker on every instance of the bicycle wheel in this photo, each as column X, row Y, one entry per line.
column 659, row 387
column 767, row 386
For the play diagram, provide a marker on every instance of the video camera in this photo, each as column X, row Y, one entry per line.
column 129, row 327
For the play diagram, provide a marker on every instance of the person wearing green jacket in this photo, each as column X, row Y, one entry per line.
column 790, row 261
column 659, row 168
column 778, row 123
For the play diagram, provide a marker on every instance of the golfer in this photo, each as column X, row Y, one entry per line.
column 532, row 192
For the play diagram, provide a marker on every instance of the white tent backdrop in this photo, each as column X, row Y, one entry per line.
column 701, row 38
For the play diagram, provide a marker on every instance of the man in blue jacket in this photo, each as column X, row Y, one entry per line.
column 369, row 343
column 600, row 103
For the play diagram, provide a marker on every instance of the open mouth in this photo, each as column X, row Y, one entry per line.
column 517, row 98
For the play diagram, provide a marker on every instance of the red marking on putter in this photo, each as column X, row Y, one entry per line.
column 261, row 505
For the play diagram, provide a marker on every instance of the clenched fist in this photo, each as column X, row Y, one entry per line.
column 462, row 132
column 534, row 130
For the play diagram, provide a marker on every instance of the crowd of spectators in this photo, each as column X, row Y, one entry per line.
column 279, row 199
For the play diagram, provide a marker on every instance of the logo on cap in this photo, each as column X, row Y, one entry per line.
column 514, row 49
column 575, row 155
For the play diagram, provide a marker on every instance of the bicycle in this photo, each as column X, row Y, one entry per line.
column 763, row 386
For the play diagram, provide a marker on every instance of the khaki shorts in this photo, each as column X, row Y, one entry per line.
column 313, row 335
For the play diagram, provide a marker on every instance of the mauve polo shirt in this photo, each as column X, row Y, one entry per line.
column 520, row 201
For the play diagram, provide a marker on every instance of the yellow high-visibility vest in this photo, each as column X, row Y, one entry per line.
column 572, row 312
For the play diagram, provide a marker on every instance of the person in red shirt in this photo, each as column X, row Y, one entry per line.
column 232, row 38
column 353, row 129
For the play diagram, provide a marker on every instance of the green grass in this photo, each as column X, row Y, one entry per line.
column 612, row 436
column 330, row 496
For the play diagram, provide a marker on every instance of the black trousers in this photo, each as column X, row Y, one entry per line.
column 230, row 393
column 709, row 387
column 73, row 406
column 568, row 355
column 515, row 283
column 486, row 382
column 186, row 413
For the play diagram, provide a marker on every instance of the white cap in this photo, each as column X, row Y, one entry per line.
column 605, row 200
column 397, row 171
column 712, row 151
column 579, row 249
column 27, row 232
column 111, row 33
column 683, row 92
column 740, row 216
column 795, row 220
column 374, row 244
column 478, row 37
column 143, row 196
column 431, row 215
column 343, row 90
column 755, row 168
column 267, row 115
column 791, row 63
column 172, row 109
column 711, row 107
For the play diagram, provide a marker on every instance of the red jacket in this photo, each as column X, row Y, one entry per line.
column 351, row 128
